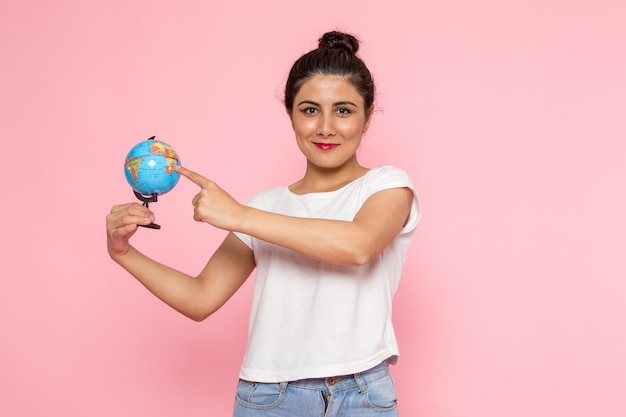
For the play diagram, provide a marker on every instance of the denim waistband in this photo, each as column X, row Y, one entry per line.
column 336, row 383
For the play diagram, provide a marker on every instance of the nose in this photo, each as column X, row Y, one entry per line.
column 326, row 126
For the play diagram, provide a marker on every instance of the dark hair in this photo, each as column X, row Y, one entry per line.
column 335, row 55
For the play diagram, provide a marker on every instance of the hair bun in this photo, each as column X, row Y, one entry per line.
column 339, row 40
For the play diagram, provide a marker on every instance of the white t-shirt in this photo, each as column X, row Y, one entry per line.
column 312, row 319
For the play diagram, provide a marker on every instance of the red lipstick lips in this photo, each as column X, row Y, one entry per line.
column 325, row 146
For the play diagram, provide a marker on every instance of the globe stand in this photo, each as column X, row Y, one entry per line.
column 146, row 200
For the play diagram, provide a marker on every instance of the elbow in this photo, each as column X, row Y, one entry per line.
column 362, row 260
column 199, row 316
column 366, row 252
column 363, row 257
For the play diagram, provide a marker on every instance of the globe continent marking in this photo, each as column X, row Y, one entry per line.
column 150, row 167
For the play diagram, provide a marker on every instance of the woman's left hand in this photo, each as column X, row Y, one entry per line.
column 212, row 204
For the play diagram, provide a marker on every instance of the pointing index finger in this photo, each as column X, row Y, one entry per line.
column 193, row 176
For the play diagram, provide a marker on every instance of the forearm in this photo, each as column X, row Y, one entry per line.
column 354, row 242
column 178, row 290
column 333, row 241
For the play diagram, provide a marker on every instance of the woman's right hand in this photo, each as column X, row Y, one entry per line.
column 122, row 223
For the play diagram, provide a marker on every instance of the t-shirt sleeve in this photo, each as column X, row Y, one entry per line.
column 390, row 177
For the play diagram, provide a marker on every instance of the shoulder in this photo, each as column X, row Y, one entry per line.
column 387, row 177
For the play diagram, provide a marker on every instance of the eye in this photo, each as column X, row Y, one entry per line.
column 343, row 111
column 309, row 110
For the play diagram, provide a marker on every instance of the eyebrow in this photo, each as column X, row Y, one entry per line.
column 338, row 103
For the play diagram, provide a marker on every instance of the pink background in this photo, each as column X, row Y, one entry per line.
column 509, row 117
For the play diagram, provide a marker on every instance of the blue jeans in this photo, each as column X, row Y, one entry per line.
column 366, row 394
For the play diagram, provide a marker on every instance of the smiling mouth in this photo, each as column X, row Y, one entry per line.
column 325, row 146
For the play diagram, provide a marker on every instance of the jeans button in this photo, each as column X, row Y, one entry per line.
column 331, row 381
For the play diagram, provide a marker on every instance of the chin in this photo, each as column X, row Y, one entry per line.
column 330, row 165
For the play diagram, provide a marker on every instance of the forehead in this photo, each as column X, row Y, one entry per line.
column 329, row 87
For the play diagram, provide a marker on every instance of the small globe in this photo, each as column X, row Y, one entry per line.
column 150, row 167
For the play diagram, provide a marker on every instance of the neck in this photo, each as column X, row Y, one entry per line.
column 319, row 179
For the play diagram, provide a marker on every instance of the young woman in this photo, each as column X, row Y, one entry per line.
column 328, row 252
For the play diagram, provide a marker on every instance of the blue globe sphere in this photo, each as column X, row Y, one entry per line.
column 150, row 167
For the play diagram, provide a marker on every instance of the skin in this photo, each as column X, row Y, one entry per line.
column 328, row 120
column 328, row 110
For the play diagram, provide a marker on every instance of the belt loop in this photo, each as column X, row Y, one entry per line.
column 283, row 387
column 361, row 382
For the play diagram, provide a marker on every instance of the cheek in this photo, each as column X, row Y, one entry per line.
column 302, row 127
column 352, row 130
